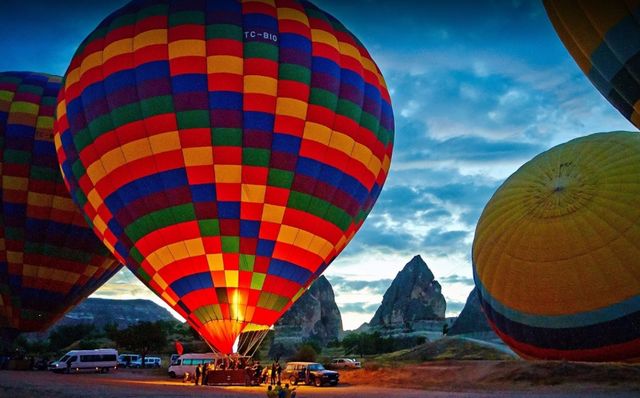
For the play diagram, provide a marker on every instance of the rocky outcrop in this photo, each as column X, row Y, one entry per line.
column 314, row 317
column 414, row 297
column 471, row 319
column 124, row 313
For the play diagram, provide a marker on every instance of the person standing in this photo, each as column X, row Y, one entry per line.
column 273, row 373
column 205, row 373
column 198, row 374
column 278, row 370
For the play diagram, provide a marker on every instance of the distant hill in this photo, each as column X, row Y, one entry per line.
column 124, row 313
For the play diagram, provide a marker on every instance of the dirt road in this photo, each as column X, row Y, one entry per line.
column 125, row 384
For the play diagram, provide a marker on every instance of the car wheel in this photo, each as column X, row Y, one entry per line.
column 172, row 375
column 293, row 380
column 318, row 382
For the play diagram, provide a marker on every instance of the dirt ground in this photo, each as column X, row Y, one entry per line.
column 438, row 379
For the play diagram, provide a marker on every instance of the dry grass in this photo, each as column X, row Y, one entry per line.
column 495, row 375
column 451, row 348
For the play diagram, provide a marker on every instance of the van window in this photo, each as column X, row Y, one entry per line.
column 178, row 362
column 64, row 358
column 187, row 361
column 73, row 359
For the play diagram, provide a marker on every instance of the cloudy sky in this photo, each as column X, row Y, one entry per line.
column 478, row 89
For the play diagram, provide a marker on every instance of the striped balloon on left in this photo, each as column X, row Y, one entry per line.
column 49, row 258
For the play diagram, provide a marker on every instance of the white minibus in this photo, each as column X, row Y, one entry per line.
column 99, row 360
column 188, row 362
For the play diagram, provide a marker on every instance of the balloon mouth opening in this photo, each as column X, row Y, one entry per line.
column 236, row 343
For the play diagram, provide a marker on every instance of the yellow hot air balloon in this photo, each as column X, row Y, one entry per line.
column 556, row 253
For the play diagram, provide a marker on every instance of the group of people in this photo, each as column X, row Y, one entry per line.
column 280, row 392
column 276, row 370
column 254, row 373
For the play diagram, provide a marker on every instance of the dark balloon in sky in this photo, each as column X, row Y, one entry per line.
column 604, row 39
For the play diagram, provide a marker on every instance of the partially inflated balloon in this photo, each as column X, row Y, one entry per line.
column 226, row 151
column 604, row 39
column 556, row 253
column 49, row 257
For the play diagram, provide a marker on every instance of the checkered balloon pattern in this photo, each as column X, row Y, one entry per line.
column 225, row 151
column 49, row 257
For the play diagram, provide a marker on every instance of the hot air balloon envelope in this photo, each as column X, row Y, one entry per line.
column 49, row 257
column 225, row 151
column 556, row 252
column 604, row 39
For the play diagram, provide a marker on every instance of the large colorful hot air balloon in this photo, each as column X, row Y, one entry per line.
column 225, row 151
column 603, row 37
column 49, row 257
column 556, row 253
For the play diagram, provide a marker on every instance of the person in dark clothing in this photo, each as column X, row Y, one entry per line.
column 278, row 370
column 273, row 373
column 257, row 372
column 198, row 374
column 205, row 373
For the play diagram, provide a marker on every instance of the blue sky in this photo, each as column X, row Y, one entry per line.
column 478, row 89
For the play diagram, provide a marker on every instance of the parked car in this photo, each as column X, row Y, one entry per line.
column 125, row 360
column 100, row 360
column 40, row 363
column 149, row 362
column 346, row 363
column 295, row 372
column 173, row 358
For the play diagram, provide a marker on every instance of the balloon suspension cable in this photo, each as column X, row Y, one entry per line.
column 250, row 342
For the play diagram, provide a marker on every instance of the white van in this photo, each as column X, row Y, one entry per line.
column 149, row 362
column 99, row 360
column 188, row 363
